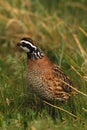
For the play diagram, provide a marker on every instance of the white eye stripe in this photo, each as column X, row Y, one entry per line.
column 29, row 43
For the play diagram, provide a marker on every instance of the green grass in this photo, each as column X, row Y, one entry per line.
column 60, row 29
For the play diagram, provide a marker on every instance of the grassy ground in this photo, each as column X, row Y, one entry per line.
column 60, row 29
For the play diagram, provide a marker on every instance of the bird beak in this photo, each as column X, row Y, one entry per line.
column 18, row 44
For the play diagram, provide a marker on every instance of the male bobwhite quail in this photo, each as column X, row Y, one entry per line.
column 44, row 78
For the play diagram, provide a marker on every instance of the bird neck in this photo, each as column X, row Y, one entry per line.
column 37, row 54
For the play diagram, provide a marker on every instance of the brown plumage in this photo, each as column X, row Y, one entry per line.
column 44, row 78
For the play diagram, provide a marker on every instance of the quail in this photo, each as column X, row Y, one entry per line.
column 44, row 78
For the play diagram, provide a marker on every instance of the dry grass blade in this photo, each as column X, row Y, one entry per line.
column 83, row 77
column 84, row 109
column 81, row 29
column 76, row 90
column 61, row 109
column 84, row 55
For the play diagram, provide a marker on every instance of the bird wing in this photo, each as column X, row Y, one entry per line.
column 64, row 80
column 57, row 83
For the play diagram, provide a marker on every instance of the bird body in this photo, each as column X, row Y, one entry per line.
column 44, row 78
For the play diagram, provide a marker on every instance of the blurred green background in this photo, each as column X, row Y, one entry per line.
column 60, row 28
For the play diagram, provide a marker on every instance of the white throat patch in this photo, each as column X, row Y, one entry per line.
column 25, row 49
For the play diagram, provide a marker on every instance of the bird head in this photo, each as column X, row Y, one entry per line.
column 28, row 45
